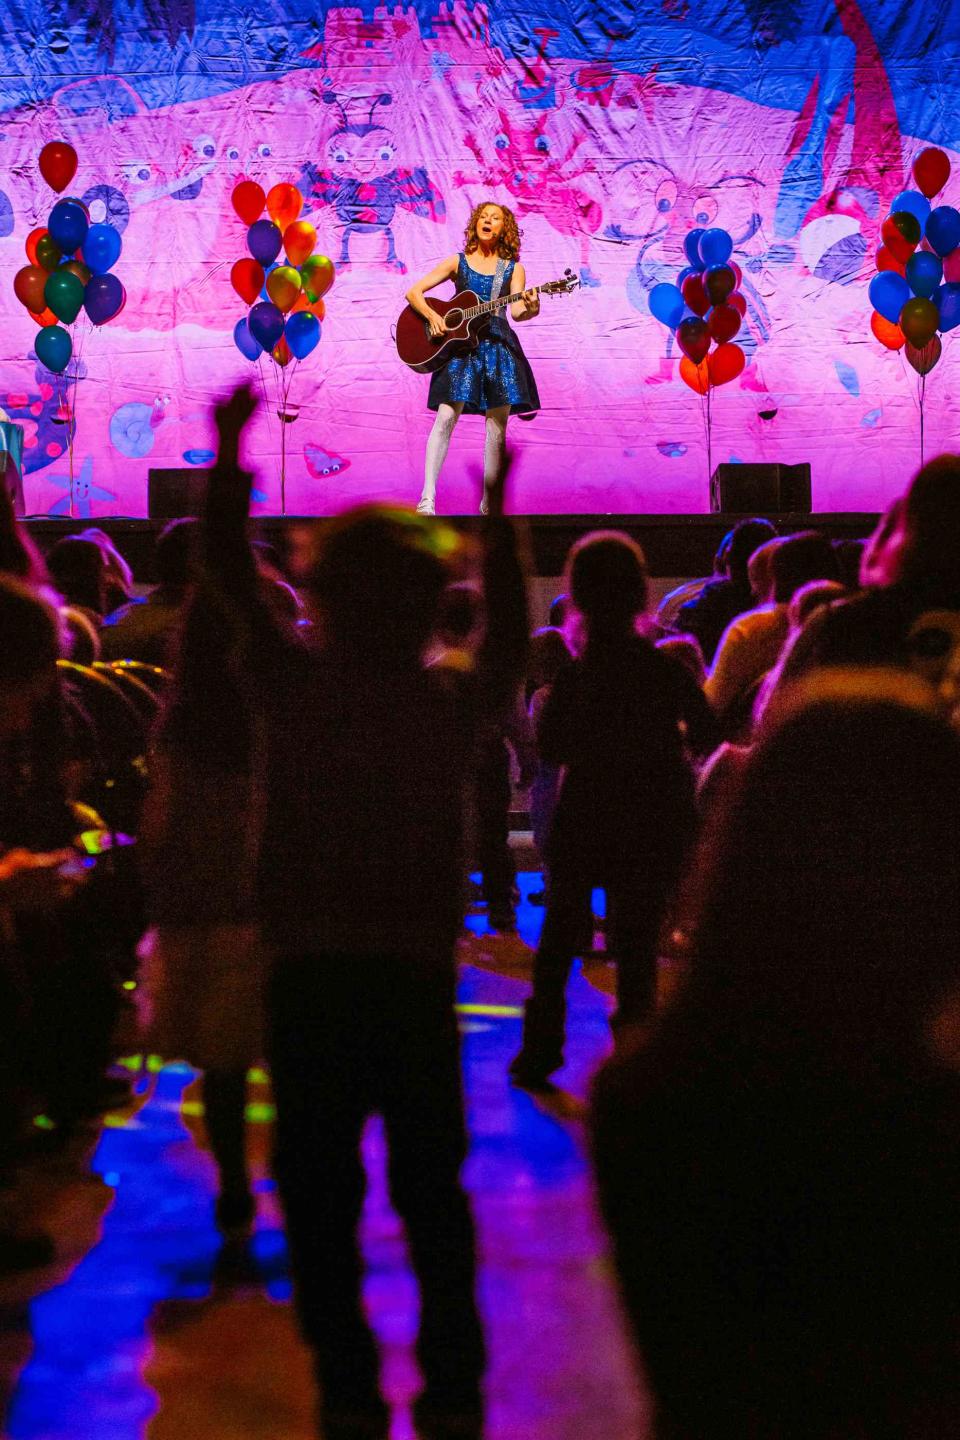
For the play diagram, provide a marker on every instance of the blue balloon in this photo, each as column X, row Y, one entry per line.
column 942, row 229
column 249, row 348
column 691, row 248
column 924, row 273
column 103, row 298
column 266, row 323
column 303, row 333
column 666, row 305
column 68, row 225
column 889, row 292
column 54, row 348
column 716, row 247
column 914, row 203
column 947, row 301
column 264, row 240
column 101, row 248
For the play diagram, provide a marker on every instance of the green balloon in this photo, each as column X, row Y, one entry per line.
column 63, row 293
column 48, row 255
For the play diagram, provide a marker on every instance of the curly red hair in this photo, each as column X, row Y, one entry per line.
column 508, row 245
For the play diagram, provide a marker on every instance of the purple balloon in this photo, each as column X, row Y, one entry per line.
column 249, row 348
column 103, row 298
column 264, row 240
column 266, row 324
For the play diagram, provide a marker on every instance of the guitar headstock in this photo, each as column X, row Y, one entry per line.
column 563, row 286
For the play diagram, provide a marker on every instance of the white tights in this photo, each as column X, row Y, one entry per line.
column 494, row 447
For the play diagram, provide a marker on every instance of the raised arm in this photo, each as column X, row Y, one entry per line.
column 446, row 270
column 527, row 303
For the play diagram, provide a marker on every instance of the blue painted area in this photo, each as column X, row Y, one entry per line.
column 848, row 377
column 199, row 457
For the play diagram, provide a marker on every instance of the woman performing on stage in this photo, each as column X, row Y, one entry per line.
column 495, row 379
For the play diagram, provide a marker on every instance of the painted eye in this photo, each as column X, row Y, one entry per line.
column 233, row 153
column 264, row 152
column 666, row 196
column 501, row 141
column 542, row 144
column 204, row 147
column 705, row 210
column 386, row 153
column 340, row 157
column 138, row 172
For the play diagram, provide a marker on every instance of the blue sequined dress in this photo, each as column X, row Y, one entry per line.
column 497, row 372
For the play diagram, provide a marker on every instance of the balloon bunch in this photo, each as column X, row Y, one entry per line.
column 705, row 308
column 70, row 265
column 916, row 292
column 286, row 299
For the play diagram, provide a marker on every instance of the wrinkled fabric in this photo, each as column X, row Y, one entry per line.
column 610, row 128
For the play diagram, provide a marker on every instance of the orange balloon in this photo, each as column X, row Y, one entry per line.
column 284, row 203
column 77, row 267
column 886, row 260
column 890, row 335
column 298, row 241
column 696, row 376
column 31, row 243
column 46, row 317
column 726, row 363
column 283, row 287
column 318, row 276
column 281, row 352
column 315, row 307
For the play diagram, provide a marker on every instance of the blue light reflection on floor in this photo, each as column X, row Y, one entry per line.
column 96, row 1332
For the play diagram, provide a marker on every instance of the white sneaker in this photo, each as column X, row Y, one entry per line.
column 426, row 506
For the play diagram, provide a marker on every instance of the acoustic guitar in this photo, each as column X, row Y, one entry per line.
column 467, row 318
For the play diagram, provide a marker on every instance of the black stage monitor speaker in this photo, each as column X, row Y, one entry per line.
column 753, row 489
column 173, row 493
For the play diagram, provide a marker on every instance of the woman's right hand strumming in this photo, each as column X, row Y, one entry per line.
column 438, row 326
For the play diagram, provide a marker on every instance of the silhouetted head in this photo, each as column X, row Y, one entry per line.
column 799, row 559
column 747, row 536
column 760, row 571
column 607, row 580
column 376, row 580
column 547, row 653
column 832, row 907
column 686, row 649
column 812, row 597
column 119, row 576
column 79, row 571
column 929, row 556
column 29, row 649
column 174, row 553
column 849, row 555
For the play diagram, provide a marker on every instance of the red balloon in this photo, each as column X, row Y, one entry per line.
column 696, row 376
column 737, row 273
column 58, row 164
column 900, row 237
column 919, row 319
column 248, row 201
column 724, row 322
column 246, row 277
column 890, row 335
column 738, row 303
column 693, row 337
column 28, row 286
column 931, row 170
column 886, row 260
column 281, row 352
column 695, row 295
column 726, row 363
column 719, row 282
column 923, row 360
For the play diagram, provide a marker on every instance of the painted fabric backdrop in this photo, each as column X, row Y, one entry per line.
column 612, row 128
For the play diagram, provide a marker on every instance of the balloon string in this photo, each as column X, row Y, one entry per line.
column 923, row 395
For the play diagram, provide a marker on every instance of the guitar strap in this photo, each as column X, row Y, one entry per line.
column 498, row 278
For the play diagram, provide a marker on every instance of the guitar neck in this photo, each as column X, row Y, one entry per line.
column 487, row 307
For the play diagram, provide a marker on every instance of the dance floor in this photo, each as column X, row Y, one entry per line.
column 146, row 1331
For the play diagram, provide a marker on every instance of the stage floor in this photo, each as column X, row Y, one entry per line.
column 144, row 1334
column 676, row 546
